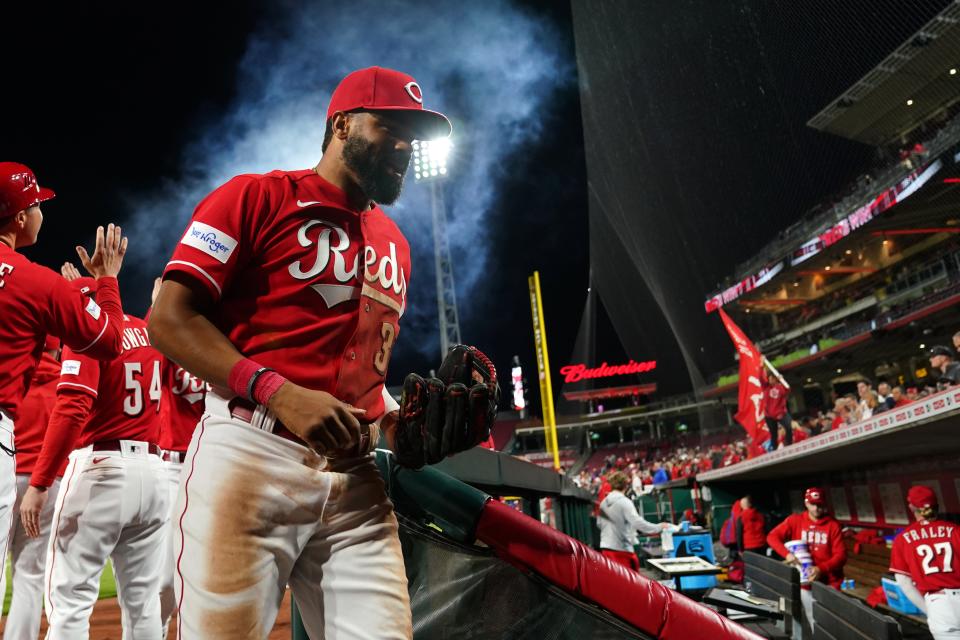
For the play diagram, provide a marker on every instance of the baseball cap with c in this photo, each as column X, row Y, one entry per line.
column 921, row 496
column 814, row 495
column 19, row 189
column 381, row 89
column 940, row 350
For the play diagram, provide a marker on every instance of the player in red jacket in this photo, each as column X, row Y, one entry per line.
column 926, row 562
column 112, row 504
column 750, row 528
column 824, row 539
column 28, row 555
column 36, row 302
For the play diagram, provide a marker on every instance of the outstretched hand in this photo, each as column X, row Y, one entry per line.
column 108, row 253
column 69, row 272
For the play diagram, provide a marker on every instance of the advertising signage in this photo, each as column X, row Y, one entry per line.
column 577, row 372
column 829, row 236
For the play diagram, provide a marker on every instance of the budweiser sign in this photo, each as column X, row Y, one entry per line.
column 578, row 372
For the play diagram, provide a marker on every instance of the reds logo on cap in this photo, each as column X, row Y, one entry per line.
column 814, row 495
column 413, row 90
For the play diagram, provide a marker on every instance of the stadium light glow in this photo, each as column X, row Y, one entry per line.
column 430, row 158
column 910, row 102
column 953, row 71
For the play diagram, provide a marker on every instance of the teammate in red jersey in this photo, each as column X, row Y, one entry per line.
column 925, row 560
column 112, row 503
column 285, row 293
column 824, row 539
column 36, row 302
column 28, row 555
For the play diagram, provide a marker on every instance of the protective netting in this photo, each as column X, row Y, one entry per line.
column 468, row 593
column 698, row 152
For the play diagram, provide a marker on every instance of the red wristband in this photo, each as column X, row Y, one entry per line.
column 266, row 385
column 240, row 376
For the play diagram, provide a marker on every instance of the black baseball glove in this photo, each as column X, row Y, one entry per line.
column 450, row 413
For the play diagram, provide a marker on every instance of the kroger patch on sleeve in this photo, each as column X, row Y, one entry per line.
column 210, row 240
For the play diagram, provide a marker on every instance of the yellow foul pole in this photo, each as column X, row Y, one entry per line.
column 543, row 365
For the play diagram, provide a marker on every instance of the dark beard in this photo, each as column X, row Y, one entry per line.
column 373, row 176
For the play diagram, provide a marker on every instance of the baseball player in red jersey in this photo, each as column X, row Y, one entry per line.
column 35, row 302
column 28, row 555
column 112, row 503
column 925, row 560
column 824, row 539
column 285, row 294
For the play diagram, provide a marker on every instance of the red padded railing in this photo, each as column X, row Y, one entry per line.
column 575, row 567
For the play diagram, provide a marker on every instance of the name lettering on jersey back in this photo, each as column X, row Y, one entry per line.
column 332, row 243
column 928, row 533
column 5, row 269
column 134, row 338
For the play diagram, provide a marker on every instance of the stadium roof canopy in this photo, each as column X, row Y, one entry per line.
column 909, row 86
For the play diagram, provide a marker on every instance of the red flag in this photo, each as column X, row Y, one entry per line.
column 750, row 404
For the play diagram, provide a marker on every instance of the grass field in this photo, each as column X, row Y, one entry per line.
column 108, row 586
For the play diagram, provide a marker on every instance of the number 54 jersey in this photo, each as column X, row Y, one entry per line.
column 301, row 282
column 126, row 390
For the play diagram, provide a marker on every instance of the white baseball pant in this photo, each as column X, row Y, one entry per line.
column 111, row 505
column 168, row 597
column 8, row 493
column 27, row 559
column 943, row 614
column 256, row 512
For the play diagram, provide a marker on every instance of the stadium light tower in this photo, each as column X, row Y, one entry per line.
column 430, row 165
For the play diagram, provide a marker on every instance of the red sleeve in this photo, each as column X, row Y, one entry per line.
column 88, row 326
column 779, row 535
column 78, row 373
column 69, row 415
column 838, row 552
column 898, row 563
column 218, row 241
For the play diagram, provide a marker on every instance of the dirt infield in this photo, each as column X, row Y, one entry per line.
column 105, row 622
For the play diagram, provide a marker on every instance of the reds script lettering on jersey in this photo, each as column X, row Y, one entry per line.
column 181, row 407
column 304, row 285
column 927, row 552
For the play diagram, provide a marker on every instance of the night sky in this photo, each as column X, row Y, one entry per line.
column 107, row 105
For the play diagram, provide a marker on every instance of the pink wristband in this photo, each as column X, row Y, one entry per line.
column 266, row 385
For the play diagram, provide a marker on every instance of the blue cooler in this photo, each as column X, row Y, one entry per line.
column 694, row 544
column 896, row 600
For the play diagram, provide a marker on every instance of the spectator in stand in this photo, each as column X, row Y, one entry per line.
column 841, row 414
column 619, row 523
column 956, row 341
column 941, row 360
column 750, row 529
column 868, row 400
column 824, row 539
column 912, row 394
column 660, row 474
column 775, row 395
column 899, row 398
column 885, row 397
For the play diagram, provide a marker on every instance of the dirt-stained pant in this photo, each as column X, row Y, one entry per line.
column 257, row 512
column 27, row 558
column 8, row 492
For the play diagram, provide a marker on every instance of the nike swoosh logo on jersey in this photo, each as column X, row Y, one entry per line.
column 98, row 460
column 309, row 203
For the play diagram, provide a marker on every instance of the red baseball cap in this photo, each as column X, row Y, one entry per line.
column 814, row 495
column 381, row 89
column 19, row 189
column 921, row 496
